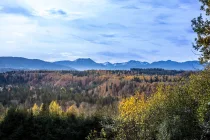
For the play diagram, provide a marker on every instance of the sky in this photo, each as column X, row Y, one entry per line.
column 103, row 30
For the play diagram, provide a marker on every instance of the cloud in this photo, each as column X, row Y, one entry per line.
column 120, row 54
column 97, row 39
column 115, row 26
column 15, row 10
column 179, row 40
column 162, row 18
column 57, row 12
column 108, row 35
column 131, row 7
column 154, row 52
column 94, row 25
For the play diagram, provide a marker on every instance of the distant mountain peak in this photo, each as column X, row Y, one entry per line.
column 133, row 61
column 107, row 63
column 84, row 60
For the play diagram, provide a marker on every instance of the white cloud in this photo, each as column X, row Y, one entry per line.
column 74, row 8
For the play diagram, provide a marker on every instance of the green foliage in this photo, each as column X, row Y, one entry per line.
column 156, row 71
column 108, row 132
column 202, row 27
column 20, row 124
column 2, row 112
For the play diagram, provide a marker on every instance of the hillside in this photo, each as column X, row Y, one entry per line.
column 83, row 84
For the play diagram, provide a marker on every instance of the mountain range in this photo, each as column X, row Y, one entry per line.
column 88, row 64
column 20, row 63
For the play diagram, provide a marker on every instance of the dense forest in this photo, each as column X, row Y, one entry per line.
column 71, row 100
column 28, row 87
column 104, row 105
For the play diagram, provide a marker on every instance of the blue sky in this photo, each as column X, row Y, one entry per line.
column 103, row 30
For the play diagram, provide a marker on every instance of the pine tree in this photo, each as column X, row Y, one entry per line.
column 201, row 26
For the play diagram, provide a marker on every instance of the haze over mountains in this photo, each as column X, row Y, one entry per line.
column 12, row 63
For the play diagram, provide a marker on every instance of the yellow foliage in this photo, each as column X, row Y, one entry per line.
column 138, row 108
column 54, row 108
column 158, row 99
column 133, row 108
column 41, row 107
column 72, row 110
column 35, row 109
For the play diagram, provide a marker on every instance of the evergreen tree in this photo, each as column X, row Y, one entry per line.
column 201, row 26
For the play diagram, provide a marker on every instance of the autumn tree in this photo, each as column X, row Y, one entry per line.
column 72, row 110
column 36, row 109
column 55, row 108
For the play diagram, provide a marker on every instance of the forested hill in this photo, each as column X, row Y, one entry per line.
column 153, row 71
column 55, row 101
column 45, row 86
